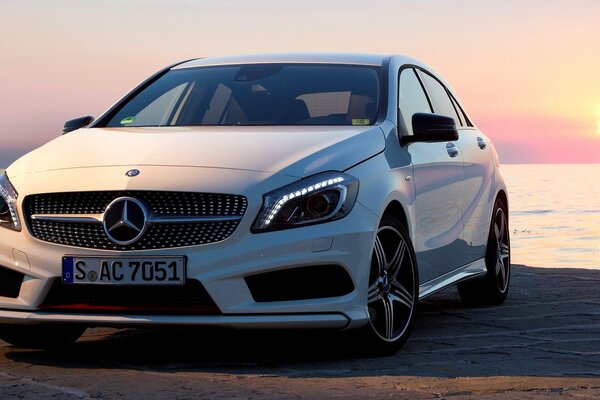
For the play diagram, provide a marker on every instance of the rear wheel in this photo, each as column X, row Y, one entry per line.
column 43, row 336
column 493, row 287
column 393, row 288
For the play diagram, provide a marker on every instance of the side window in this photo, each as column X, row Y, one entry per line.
column 439, row 97
column 461, row 113
column 411, row 98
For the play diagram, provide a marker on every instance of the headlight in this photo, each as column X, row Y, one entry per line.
column 319, row 198
column 8, row 205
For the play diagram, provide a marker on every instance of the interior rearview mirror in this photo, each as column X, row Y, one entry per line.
column 77, row 123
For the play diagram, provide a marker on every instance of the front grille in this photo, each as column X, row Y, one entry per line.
column 160, row 204
column 191, row 298
column 10, row 283
column 158, row 236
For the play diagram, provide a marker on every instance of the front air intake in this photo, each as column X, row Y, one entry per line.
column 10, row 282
column 301, row 283
column 189, row 299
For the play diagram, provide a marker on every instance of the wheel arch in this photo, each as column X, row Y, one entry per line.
column 396, row 209
column 501, row 195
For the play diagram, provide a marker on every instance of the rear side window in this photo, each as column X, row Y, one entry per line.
column 439, row 97
column 411, row 98
column 461, row 113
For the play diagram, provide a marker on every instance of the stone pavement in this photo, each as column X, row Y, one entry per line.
column 544, row 342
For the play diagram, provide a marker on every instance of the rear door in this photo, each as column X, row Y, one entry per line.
column 479, row 192
column 438, row 179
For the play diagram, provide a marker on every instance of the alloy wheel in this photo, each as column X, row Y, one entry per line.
column 392, row 285
column 502, row 250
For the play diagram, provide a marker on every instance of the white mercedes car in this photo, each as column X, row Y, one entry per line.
column 286, row 191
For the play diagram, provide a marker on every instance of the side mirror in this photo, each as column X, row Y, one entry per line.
column 77, row 123
column 431, row 128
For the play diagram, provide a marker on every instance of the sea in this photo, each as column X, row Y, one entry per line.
column 554, row 214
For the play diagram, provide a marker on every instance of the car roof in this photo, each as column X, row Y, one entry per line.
column 292, row 58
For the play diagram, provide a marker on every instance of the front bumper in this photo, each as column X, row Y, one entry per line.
column 221, row 268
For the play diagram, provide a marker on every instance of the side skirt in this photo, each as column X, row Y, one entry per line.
column 473, row 270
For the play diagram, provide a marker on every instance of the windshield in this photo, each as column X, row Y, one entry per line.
column 256, row 94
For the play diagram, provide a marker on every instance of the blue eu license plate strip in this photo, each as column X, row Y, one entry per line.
column 67, row 270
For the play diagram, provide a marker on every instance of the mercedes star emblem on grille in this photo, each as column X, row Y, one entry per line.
column 125, row 220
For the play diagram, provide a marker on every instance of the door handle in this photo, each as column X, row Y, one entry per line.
column 451, row 149
column 481, row 143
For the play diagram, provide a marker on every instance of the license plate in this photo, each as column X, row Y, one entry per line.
column 123, row 270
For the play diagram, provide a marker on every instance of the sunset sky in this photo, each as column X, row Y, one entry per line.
column 527, row 71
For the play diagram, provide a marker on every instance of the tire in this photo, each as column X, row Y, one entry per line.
column 43, row 336
column 393, row 289
column 492, row 289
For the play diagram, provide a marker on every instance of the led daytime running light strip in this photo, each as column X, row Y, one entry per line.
column 301, row 192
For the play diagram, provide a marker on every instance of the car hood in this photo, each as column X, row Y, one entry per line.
column 294, row 151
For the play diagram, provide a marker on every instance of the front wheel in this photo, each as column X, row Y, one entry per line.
column 393, row 288
column 42, row 336
column 493, row 287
